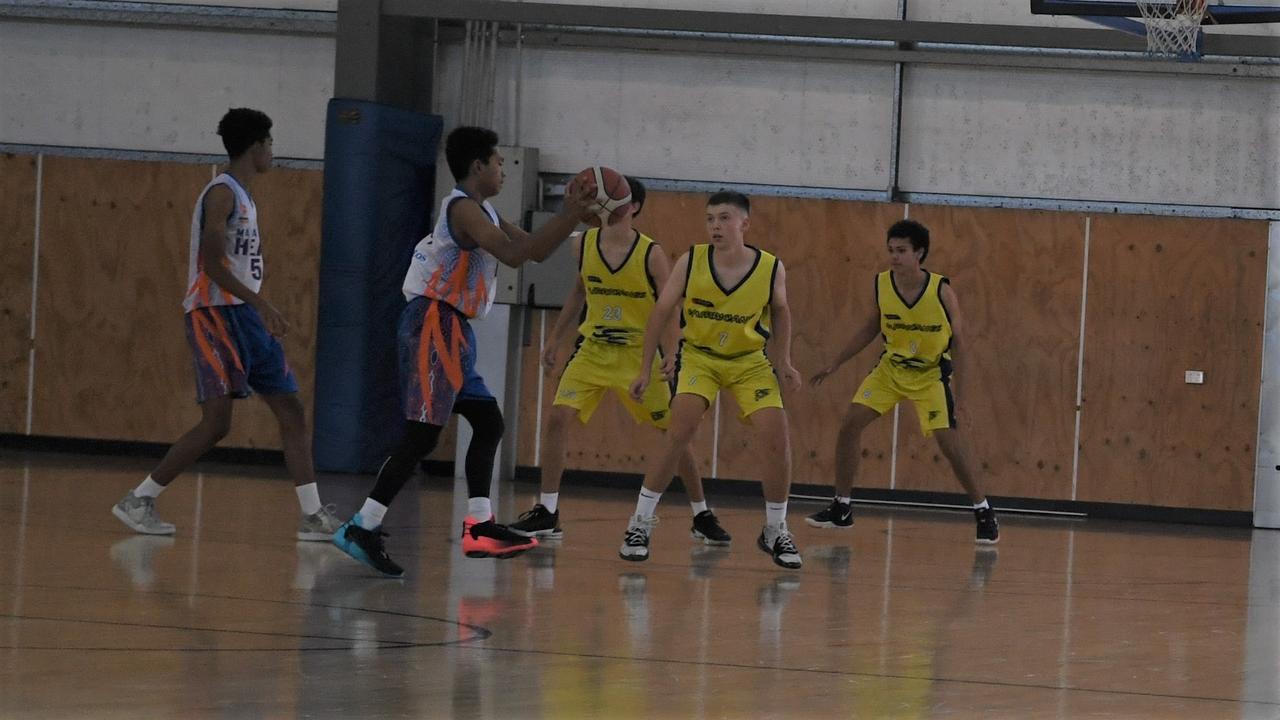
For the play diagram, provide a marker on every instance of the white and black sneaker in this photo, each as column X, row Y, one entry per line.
column 835, row 515
column 635, row 544
column 777, row 541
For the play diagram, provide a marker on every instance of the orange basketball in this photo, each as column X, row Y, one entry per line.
column 613, row 194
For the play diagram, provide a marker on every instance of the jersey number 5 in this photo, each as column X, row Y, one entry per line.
column 255, row 267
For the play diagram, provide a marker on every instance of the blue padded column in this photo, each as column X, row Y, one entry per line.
column 379, row 177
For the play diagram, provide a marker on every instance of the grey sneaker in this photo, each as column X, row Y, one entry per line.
column 635, row 545
column 139, row 513
column 321, row 526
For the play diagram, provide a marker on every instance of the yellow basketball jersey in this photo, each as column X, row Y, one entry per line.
column 618, row 301
column 727, row 322
column 916, row 335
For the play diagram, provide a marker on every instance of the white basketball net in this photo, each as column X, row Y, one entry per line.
column 1173, row 26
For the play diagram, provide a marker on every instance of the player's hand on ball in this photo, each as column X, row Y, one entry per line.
column 821, row 375
column 638, row 386
column 580, row 201
column 790, row 376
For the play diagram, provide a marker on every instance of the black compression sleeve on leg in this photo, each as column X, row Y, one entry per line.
column 418, row 441
column 486, row 432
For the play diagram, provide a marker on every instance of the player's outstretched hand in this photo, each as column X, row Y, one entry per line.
column 790, row 377
column 580, row 202
column 275, row 322
column 549, row 358
column 638, row 386
column 821, row 375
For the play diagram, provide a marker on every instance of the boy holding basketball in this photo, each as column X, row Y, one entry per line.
column 234, row 335
column 619, row 273
column 452, row 278
column 918, row 316
column 733, row 299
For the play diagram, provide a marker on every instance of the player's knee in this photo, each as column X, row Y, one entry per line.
column 217, row 427
column 487, row 425
column 558, row 420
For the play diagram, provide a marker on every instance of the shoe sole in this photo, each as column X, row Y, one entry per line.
column 826, row 524
column 360, row 559
column 708, row 541
column 553, row 534
column 634, row 558
column 124, row 518
column 984, row 541
column 499, row 556
column 315, row 536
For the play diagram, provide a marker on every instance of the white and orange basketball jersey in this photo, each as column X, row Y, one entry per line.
column 244, row 250
column 465, row 278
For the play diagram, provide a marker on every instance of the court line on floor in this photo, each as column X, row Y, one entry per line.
column 480, row 632
column 886, row 676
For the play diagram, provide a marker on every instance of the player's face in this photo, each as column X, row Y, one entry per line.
column 902, row 256
column 262, row 155
column 726, row 224
column 492, row 175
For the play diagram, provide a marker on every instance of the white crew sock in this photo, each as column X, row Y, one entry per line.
column 480, row 508
column 775, row 513
column 698, row 507
column 844, row 500
column 982, row 505
column 308, row 498
column 550, row 501
column 149, row 488
column 647, row 503
column 371, row 514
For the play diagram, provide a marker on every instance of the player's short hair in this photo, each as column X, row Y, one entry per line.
column 730, row 197
column 912, row 231
column 240, row 128
column 637, row 193
column 467, row 144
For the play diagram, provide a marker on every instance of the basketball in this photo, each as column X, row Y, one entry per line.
column 613, row 194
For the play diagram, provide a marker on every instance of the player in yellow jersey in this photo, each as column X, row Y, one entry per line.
column 733, row 299
column 919, row 317
column 619, row 273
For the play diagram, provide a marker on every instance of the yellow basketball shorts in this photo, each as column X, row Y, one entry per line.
column 597, row 368
column 929, row 390
column 750, row 378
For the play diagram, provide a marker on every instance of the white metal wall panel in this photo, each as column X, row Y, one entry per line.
column 158, row 89
column 1091, row 136
column 698, row 117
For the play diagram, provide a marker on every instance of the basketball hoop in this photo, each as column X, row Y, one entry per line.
column 1173, row 27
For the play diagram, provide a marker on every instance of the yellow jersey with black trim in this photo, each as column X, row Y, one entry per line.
column 618, row 300
column 727, row 322
column 917, row 332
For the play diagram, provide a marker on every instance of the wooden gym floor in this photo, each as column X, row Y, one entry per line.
column 900, row 617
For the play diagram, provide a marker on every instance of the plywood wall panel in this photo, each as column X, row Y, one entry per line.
column 1018, row 278
column 17, row 237
column 1165, row 296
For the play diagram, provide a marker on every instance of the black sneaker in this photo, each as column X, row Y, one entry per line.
column 707, row 529
column 366, row 546
column 781, row 546
column 988, row 527
column 538, row 522
column 835, row 515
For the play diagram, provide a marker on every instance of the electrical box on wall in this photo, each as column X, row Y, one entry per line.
column 518, row 198
column 547, row 283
